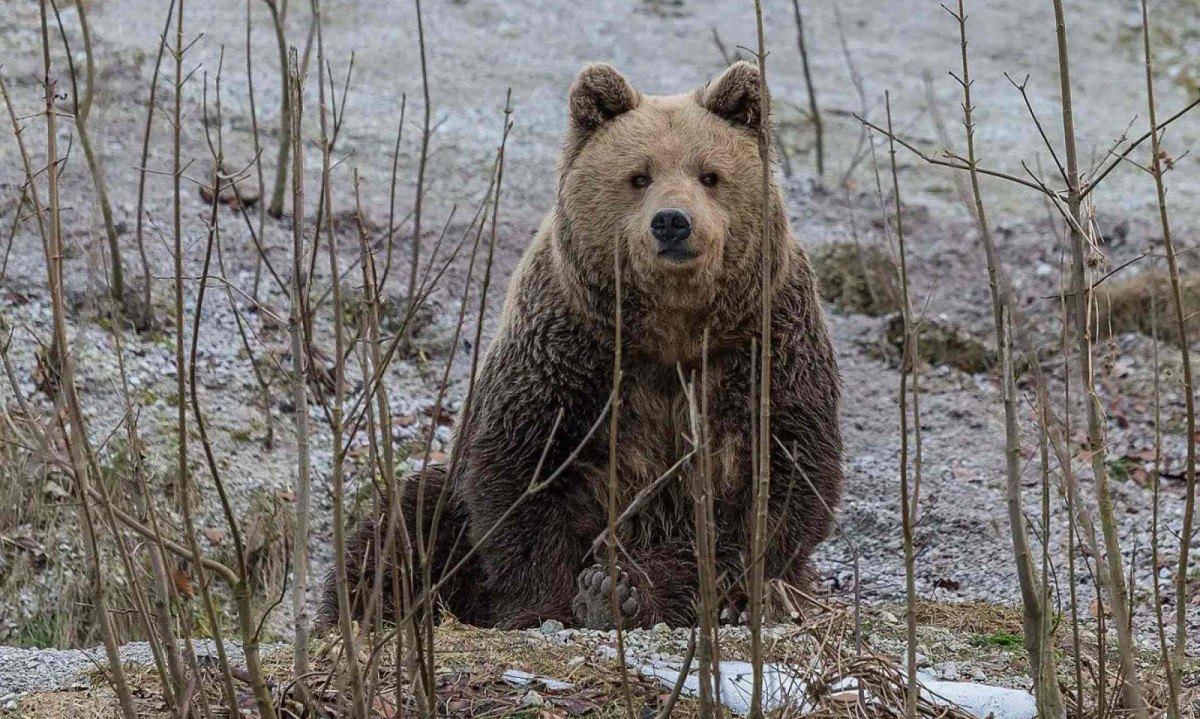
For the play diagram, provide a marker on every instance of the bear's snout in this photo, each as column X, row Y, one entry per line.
column 671, row 228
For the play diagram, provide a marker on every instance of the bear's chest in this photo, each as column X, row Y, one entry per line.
column 661, row 453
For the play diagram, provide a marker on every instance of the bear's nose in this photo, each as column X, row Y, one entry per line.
column 671, row 226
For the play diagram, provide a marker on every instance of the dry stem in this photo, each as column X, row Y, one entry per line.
column 1185, row 537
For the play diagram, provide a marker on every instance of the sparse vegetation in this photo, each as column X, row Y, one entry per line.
column 1125, row 305
column 149, row 490
column 1007, row 640
column 941, row 344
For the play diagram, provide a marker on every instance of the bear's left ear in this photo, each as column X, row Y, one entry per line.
column 735, row 95
column 599, row 94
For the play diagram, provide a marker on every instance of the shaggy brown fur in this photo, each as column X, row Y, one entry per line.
column 626, row 156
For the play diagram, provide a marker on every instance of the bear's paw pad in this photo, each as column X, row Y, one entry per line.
column 593, row 601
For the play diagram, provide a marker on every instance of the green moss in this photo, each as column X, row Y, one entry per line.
column 1007, row 640
column 41, row 632
column 1118, row 470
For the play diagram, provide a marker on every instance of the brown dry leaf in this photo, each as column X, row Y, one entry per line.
column 214, row 535
column 1142, row 455
column 286, row 496
column 1094, row 610
column 437, row 456
column 1117, row 413
column 844, row 698
column 444, row 416
column 575, row 707
column 404, row 420
column 962, row 475
column 952, row 585
column 383, row 706
column 16, row 298
column 183, row 583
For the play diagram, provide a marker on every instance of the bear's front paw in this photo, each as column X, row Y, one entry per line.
column 731, row 616
column 593, row 601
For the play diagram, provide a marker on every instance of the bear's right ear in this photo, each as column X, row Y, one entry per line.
column 735, row 95
column 599, row 94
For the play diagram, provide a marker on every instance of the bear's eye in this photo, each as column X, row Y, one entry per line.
column 709, row 179
column 640, row 180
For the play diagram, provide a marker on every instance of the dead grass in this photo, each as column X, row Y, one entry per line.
column 267, row 528
column 39, row 545
column 1126, row 306
column 80, row 703
column 939, row 344
column 977, row 617
column 857, row 278
column 471, row 662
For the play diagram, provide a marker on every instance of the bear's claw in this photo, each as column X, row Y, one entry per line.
column 593, row 601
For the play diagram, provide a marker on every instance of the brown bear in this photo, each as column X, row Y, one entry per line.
column 674, row 185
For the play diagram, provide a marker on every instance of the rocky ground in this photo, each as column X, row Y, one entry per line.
column 477, row 50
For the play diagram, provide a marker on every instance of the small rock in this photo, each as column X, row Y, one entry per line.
column 949, row 671
column 55, row 490
column 233, row 191
column 550, row 626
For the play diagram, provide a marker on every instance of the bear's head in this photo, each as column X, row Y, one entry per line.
column 673, row 183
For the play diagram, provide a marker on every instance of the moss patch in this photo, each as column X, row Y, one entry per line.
column 939, row 343
column 857, row 278
column 1007, row 640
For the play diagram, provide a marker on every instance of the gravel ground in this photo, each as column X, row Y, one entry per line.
column 479, row 48
column 27, row 670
